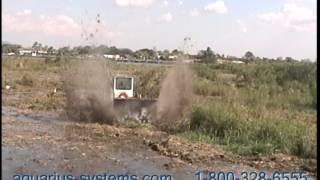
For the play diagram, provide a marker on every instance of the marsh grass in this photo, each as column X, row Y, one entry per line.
column 272, row 111
column 247, row 109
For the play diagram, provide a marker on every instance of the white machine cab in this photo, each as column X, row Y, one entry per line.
column 122, row 87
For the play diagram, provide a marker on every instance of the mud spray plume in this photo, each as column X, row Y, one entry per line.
column 89, row 94
column 88, row 88
column 175, row 97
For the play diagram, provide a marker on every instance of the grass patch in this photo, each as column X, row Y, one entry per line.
column 251, row 137
column 26, row 80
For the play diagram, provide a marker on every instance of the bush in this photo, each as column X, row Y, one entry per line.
column 213, row 122
column 272, row 73
column 313, row 92
column 257, row 136
column 147, row 83
column 205, row 71
column 207, row 88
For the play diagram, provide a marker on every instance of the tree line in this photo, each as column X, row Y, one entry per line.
column 206, row 56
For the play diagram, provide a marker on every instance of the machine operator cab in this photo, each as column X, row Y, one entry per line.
column 123, row 87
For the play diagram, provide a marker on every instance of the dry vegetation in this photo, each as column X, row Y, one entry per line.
column 247, row 109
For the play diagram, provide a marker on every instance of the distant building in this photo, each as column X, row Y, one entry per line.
column 23, row 52
column 26, row 52
column 53, row 52
column 237, row 62
column 173, row 57
column 111, row 56
column 11, row 54
column 42, row 52
column 222, row 61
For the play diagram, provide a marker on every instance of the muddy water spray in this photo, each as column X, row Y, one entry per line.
column 175, row 95
column 88, row 85
column 89, row 93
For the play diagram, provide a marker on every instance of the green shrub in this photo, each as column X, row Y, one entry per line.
column 205, row 71
column 258, row 136
column 213, row 122
column 313, row 92
column 147, row 82
column 207, row 88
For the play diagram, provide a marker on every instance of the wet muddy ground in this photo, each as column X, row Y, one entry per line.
column 39, row 144
column 36, row 143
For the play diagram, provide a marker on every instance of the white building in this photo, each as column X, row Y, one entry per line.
column 24, row 52
column 173, row 57
column 237, row 62
column 43, row 52
column 32, row 52
column 221, row 61
column 111, row 56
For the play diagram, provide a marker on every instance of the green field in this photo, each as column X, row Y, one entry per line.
column 248, row 109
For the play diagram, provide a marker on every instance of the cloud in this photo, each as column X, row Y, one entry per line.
column 25, row 12
column 166, row 17
column 135, row 3
column 42, row 17
column 216, row 7
column 292, row 16
column 59, row 26
column 165, row 3
column 244, row 29
column 301, row 1
column 194, row 12
column 50, row 25
column 242, row 25
column 147, row 20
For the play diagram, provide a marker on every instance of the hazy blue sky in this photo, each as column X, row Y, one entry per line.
column 268, row 28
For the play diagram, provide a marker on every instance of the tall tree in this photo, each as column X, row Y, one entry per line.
column 50, row 50
column 9, row 48
column 249, row 55
column 145, row 54
column 39, row 47
column 45, row 48
column 84, row 50
column 35, row 45
column 113, row 50
column 289, row 59
column 64, row 50
column 207, row 55
column 279, row 58
column 125, row 52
